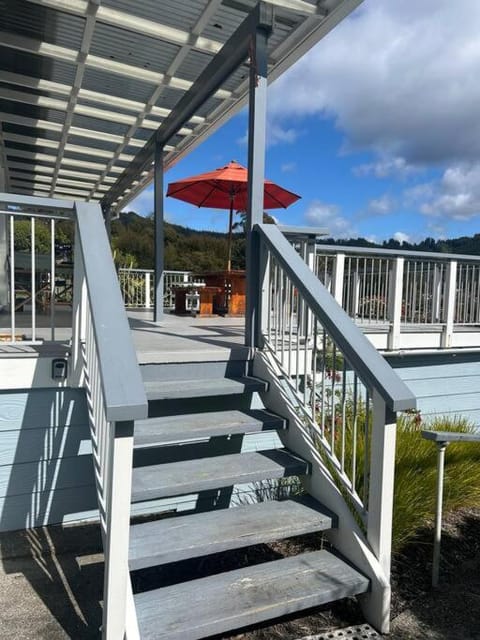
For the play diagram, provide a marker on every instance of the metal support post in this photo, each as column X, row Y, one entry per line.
column 257, row 115
column 159, row 248
column 441, row 447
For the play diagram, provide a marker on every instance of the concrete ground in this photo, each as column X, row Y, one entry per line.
column 51, row 583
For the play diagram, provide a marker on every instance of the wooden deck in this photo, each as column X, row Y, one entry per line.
column 186, row 339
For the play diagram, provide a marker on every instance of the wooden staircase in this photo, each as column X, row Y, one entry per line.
column 193, row 443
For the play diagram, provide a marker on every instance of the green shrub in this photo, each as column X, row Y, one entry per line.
column 416, row 469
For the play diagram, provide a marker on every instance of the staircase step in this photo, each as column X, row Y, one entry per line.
column 200, row 388
column 231, row 600
column 193, row 476
column 199, row 534
column 169, row 429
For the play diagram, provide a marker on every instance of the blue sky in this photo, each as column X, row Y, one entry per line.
column 377, row 128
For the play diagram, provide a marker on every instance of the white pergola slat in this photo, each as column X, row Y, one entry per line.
column 68, row 86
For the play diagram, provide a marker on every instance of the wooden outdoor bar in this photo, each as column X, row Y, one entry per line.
column 232, row 290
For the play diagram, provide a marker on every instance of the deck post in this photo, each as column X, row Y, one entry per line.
column 450, row 300
column 257, row 116
column 395, row 295
column 338, row 277
column 3, row 264
column 116, row 606
column 158, row 218
column 382, row 471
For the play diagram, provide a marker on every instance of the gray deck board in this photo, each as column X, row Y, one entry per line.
column 219, row 603
column 191, row 536
column 168, row 429
column 178, row 389
column 193, row 476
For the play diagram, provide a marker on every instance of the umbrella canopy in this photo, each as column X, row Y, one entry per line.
column 226, row 188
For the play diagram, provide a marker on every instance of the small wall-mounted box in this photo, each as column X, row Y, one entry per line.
column 59, row 369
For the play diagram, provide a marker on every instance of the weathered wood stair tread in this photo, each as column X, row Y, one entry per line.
column 193, row 476
column 226, row 601
column 199, row 388
column 192, row 536
column 204, row 425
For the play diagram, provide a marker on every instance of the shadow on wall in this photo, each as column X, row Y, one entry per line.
column 47, row 476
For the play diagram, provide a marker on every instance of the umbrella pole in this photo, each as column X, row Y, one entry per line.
column 229, row 241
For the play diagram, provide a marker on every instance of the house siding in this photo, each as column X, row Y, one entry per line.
column 46, row 469
column 446, row 384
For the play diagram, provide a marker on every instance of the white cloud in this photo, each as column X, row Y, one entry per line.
column 381, row 206
column 455, row 196
column 385, row 168
column 321, row 214
column 288, row 167
column 276, row 133
column 399, row 78
column 401, row 237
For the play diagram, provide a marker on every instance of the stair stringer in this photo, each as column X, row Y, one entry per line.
column 348, row 538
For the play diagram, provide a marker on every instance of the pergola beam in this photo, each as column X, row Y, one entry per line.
column 56, row 52
column 53, row 144
column 42, row 84
column 234, row 52
column 88, row 31
column 38, row 178
column 149, row 106
column 37, row 123
column 135, row 23
column 80, row 109
column 44, row 157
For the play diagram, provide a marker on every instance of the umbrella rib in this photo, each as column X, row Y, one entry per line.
column 270, row 195
column 201, row 203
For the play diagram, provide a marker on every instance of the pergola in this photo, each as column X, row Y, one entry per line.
column 100, row 97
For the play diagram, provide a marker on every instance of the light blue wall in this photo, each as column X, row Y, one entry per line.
column 446, row 384
column 46, row 470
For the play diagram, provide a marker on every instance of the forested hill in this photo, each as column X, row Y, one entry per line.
column 185, row 249
column 132, row 239
column 469, row 245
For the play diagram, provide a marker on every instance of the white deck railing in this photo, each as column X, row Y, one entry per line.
column 344, row 393
column 404, row 290
column 116, row 397
column 137, row 286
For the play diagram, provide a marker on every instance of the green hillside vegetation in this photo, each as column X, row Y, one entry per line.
column 185, row 249
column 192, row 250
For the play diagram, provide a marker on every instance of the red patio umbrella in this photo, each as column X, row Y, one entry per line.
column 226, row 188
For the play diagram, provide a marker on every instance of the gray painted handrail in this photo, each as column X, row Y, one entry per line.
column 395, row 253
column 123, row 388
column 360, row 353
